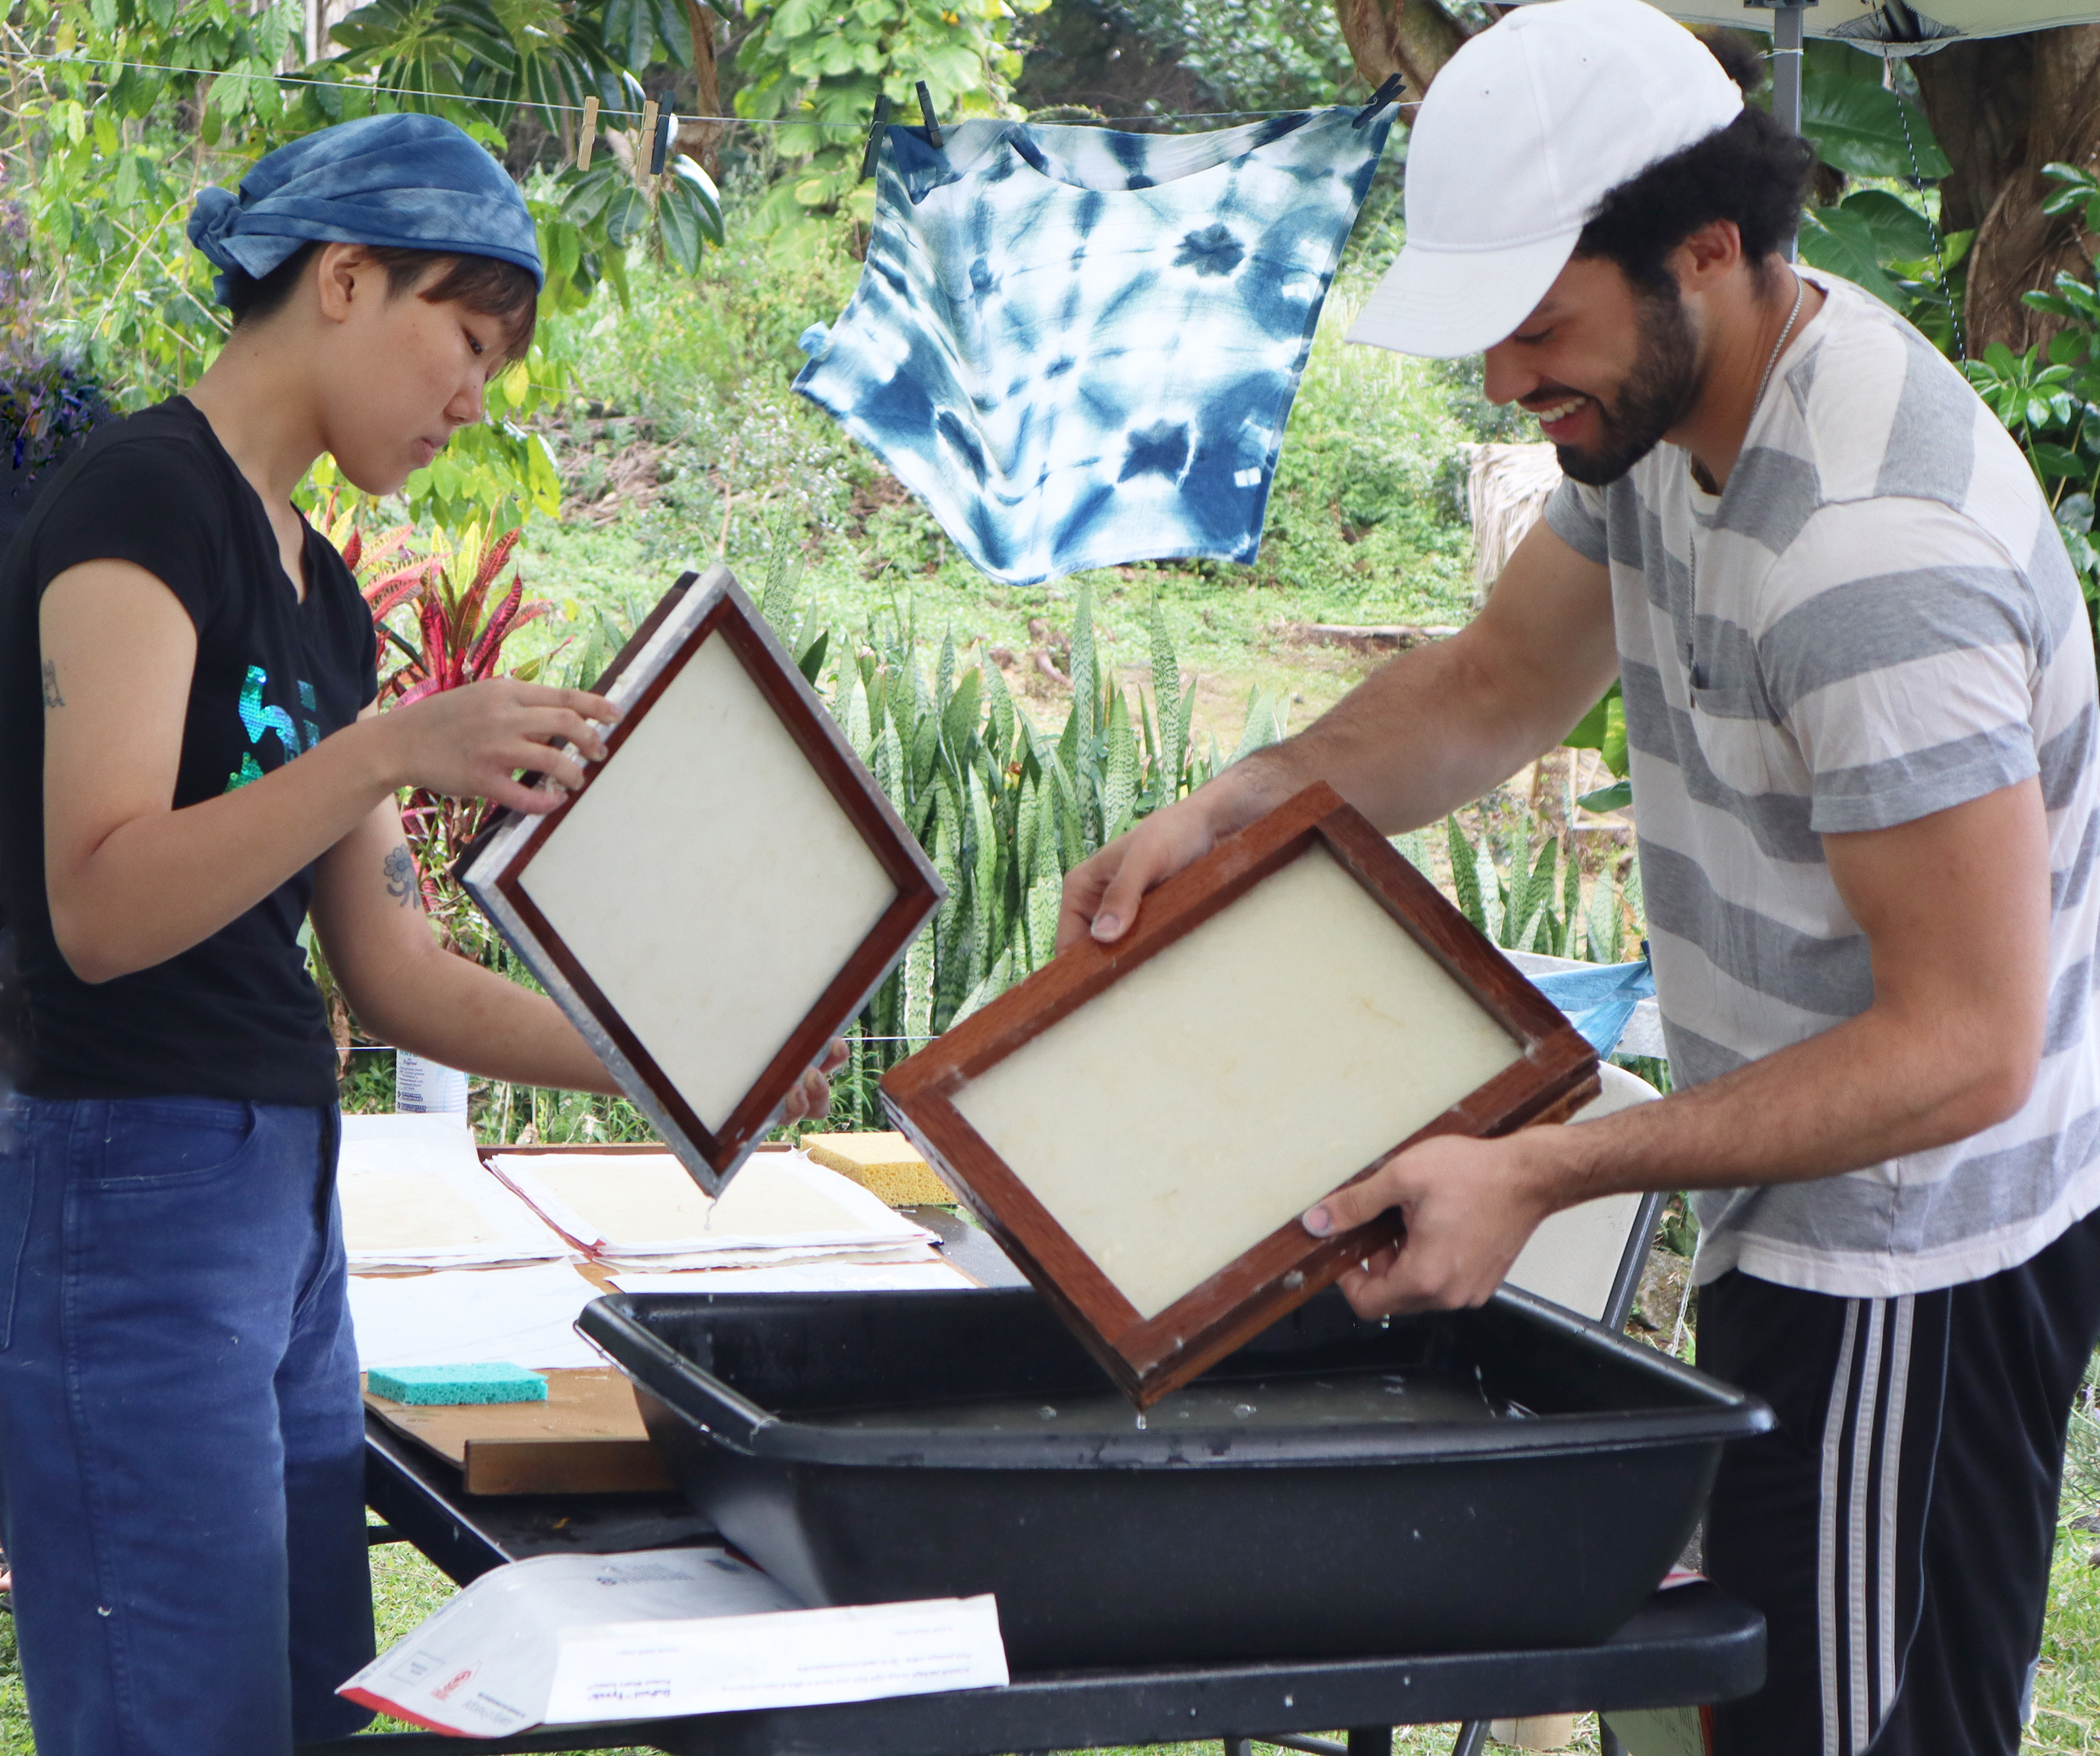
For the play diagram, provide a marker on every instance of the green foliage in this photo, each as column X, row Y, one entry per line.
column 820, row 65
column 2049, row 397
column 1529, row 898
column 1854, row 237
column 1858, row 125
column 539, row 52
column 1255, row 54
column 1874, row 236
column 1603, row 729
column 1002, row 810
column 109, row 145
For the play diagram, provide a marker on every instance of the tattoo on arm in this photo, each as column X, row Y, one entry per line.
column 52, row 698
column 402, row 883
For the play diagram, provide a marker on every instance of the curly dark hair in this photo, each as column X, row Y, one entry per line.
column 485, row 284
column 1752, row 172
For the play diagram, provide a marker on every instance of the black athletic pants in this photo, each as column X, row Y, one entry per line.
column 1896, row 1527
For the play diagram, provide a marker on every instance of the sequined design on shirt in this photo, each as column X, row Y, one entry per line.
column 257, row 717
column 1078, row 348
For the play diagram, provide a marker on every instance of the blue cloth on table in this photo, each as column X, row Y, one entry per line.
column 1599, row 1001
column 405, row 182
column 1078, row 348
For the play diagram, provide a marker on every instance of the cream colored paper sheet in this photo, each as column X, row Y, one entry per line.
column 643, row 1204
column 709, row 884
column 414, row 1195
column 1227, row 1083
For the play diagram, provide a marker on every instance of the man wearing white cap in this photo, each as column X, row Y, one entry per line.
column 1860, row 701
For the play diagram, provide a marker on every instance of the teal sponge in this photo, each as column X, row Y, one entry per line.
column 486, row 1381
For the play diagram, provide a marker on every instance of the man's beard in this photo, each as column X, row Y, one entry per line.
column 1660, row 388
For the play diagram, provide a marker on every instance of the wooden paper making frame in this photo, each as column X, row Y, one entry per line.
column 1141, row 1125
column 726, row 889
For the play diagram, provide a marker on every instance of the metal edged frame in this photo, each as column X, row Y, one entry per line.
column 1553, row 1076
column 694, row 612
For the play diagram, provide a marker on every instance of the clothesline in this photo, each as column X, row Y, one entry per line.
column 604, row 113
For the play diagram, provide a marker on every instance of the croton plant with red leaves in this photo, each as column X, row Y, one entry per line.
column 462, row 630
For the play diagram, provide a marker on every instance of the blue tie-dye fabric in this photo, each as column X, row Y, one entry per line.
column 1078, row 348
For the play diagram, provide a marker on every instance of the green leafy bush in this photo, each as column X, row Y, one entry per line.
column 1529, row 898
column 819, row 65
column 1255, row 54
column 2049, row 397
column 1003, row 810
column 116, row 111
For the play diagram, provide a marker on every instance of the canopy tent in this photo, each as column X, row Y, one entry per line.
column 1887, row 27
column 1892, row 26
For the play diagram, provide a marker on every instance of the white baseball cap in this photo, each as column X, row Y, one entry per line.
column 1522, row 133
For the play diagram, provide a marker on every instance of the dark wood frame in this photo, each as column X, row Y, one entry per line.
column 493, row 870
column 1554, row 1077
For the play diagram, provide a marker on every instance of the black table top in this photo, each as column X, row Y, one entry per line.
column 1694, row 1644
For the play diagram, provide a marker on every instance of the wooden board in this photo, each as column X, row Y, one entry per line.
column 1141, row 1125
column 587, row 1437
column 723, row 893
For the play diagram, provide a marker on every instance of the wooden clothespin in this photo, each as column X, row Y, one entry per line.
column 875, row 138
column 643, row 141
column 587, row 134
column 667, row 125
column 926, row 110
column 1394, row 88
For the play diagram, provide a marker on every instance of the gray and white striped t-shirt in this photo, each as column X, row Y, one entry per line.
column 1875, row 620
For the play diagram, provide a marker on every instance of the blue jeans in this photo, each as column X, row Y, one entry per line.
column 182, row 1480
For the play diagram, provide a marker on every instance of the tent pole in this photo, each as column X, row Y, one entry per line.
column 1786, row 67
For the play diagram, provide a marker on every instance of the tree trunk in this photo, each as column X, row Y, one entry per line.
column 1411, row 37
column 703, row 139
column 2003, row 109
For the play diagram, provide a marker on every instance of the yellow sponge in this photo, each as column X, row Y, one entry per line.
column 887, row 1165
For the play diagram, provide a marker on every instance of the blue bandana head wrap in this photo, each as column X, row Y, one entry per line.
column 409, row 182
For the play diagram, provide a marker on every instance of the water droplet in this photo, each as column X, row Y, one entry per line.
column 1244, row 1409
column 1140, row 1424
column 1046, row 1412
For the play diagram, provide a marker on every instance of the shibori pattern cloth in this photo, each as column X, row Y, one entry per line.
column 1078, row 348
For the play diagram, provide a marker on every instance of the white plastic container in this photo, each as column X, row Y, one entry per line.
column 427, row 1087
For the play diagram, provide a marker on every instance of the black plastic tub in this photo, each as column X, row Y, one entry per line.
column 865, row 1448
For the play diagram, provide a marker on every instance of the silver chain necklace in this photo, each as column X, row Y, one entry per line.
column 1757, row 402
column 1800, row 293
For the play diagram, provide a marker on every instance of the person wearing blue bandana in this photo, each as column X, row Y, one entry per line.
column 191, row 767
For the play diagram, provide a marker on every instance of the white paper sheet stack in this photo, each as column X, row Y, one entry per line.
column 563, row 1640
column 642, row 1211
column 524, row 1316
column 415, row 1196
column 826, row 1276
